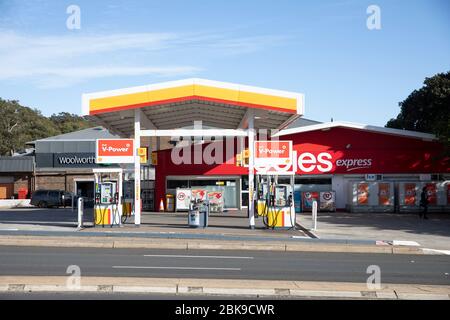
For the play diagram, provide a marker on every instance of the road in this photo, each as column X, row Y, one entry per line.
column 221, row 264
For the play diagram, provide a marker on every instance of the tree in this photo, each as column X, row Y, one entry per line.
column 19, row 125
column 67, row 122
column 427, row 109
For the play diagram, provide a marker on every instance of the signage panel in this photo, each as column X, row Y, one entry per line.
column 114, row 151
column 273, row 156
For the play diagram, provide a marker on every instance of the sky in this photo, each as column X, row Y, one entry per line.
column 323, row 49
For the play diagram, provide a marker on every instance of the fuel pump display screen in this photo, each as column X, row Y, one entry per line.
column 107, row 192
column 280, row 196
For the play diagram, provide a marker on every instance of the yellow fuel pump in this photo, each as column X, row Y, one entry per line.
column 106, row 204
column 108, row 196
column 276, row 204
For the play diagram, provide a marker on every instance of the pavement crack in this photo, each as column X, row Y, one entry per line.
column 396, row 295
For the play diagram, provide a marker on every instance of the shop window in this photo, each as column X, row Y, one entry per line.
column 312, row 180
column 245, row 199
column 173, row 184
column 244, row 183
column 284, row 180
column 201, row 183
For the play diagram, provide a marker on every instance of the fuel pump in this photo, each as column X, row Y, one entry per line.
column 262, row 197
column 106, row 204
column 276, row 202
column 198, row 213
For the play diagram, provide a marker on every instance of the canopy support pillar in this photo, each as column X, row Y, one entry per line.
column 137, row 168
column 251, row 169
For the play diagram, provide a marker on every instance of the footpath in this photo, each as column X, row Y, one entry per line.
column 104, row 238
column 224, row 287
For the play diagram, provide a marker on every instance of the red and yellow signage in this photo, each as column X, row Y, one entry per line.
column 192, row 89
column 114, row 151
column 273, row 156
column 273, row 149
column 154, row 158
column 143, row 154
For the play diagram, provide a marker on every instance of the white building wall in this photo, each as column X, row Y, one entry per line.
column 339, row 186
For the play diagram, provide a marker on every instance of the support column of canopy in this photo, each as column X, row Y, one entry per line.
column 251, row 169
column 137, row 168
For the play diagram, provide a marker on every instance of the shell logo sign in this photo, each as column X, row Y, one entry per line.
column 114, row 151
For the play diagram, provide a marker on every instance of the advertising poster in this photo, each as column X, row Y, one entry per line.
column 308, row 198
column 199, row 194
column 432, row 193
column 216, row 201
column 183, row 199
column 410, row 194
column 363, row 194
column 327, row 201
column 384, row 194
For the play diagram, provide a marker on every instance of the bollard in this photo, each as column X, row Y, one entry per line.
column 80, row 213
column 314, row 215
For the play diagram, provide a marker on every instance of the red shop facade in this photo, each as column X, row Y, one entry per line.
column 328, row 157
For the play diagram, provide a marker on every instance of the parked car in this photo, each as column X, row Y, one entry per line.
column 51, row 198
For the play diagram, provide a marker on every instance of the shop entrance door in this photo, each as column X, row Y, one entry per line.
column 85, row 189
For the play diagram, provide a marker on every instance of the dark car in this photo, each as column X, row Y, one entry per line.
column 51, row 198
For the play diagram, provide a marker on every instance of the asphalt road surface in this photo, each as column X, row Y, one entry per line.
column 222, row 264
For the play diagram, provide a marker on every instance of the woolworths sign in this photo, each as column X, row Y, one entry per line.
column 74, row 160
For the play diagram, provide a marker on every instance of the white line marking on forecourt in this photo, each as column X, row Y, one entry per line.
column 188, row 256
column 445, row 252
column 405, row 243
column 176, row 268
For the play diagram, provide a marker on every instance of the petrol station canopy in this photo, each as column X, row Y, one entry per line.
column 171, row 108
column 177, row 104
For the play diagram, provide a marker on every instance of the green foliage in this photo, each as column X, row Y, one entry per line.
column 67, row 122
column 427, row 109
column 19, row 125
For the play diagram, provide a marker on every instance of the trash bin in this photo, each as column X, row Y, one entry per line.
column 198, row 215
column 194, row 219
column 170, row 203
column 22, row 193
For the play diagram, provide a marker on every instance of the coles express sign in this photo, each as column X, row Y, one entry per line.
column 323, row 162
column 312, row 162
